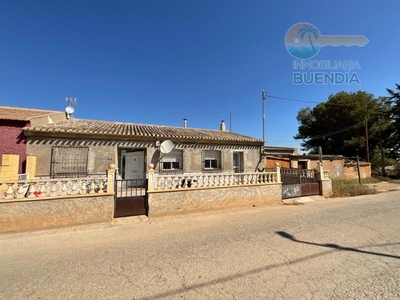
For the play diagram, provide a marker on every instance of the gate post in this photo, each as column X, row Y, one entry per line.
column 278, row 172
column 111, row 178
column 150, row 183
column 321, row 171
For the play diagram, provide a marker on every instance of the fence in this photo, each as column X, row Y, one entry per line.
column 57, row 187
column 215, row 180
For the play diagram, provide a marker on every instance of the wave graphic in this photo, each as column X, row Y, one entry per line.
column 303, row 52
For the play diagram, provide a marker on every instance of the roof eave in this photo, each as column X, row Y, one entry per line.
column 32, row 133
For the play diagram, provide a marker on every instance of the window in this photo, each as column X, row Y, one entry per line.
column 69, row 161
column 212, row 160
column 172, row 161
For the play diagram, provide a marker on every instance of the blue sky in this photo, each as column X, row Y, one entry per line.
column 158, row 62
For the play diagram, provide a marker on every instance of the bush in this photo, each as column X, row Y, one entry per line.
column 350, row 188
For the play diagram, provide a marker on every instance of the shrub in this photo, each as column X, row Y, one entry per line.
column 350, row 188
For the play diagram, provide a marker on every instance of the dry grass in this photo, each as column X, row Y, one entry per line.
column 350, row 188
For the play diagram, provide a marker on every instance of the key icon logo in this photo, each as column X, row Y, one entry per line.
column 304, row 40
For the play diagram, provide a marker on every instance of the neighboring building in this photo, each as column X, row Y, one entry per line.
column 337, row 165
column 78, row 147
column 12, row 138
column 280, row 155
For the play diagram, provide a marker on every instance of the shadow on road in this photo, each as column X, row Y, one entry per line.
column 333, row 246
column 266, row 267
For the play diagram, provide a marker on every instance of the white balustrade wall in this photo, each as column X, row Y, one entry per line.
column 201, row 181
column 52, row 187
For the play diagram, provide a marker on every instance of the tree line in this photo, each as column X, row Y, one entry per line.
column 354, row 123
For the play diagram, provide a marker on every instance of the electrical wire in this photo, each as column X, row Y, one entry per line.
column 336, row 131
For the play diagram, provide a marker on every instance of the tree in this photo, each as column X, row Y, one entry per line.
column 395, row 117
column 337, row 125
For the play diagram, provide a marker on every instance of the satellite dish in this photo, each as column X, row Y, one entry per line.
column 69, row 110
column 166, row 146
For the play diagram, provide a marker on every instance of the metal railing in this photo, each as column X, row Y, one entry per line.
column 298, row 176
column 127, row 188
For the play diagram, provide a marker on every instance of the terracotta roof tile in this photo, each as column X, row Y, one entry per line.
column 116, row 129
column 23, row 114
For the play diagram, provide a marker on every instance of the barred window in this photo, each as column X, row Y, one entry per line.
column 69, row 161
column 172, row 161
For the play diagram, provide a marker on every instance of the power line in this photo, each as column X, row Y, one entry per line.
column 336, row 131
column 314, row 102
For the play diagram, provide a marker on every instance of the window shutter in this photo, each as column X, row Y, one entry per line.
column 202, row 160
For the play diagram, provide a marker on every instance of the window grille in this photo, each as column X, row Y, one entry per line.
column 69, row 161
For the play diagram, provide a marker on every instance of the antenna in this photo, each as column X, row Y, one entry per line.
column 166, row 147
column 69, row 110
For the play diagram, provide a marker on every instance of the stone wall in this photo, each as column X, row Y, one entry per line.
column 350, row 170
column 335, row 167
column 326, row 187
column 180, row 202
column 24, row 214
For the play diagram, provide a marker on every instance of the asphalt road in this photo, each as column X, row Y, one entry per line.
column 330, row 249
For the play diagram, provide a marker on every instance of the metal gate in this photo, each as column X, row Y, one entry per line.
column 130, row 197
column 299, row 182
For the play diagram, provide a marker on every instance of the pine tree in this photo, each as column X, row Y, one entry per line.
column 395, row 117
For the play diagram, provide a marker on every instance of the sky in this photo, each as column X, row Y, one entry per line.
column 158, row 62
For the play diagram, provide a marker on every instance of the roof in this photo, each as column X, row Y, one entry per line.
column 23, row 114
column 79, row 127
column 273, row 150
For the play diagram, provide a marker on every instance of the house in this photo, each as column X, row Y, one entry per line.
column 77, row 147
column 13, row 158
column 202, row 170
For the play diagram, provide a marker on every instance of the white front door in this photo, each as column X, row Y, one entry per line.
column 134, row 165
column 237, row 162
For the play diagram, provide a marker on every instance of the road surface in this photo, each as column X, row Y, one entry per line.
column 345, row 248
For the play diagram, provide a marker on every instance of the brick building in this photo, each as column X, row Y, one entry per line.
column 12, row 138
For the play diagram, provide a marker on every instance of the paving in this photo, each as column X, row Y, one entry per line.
column 344, row 248
column 384, row 186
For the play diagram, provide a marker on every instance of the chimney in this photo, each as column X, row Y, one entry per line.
column 223, row 126
column 184, row 123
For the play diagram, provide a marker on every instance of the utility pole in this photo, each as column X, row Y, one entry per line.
column 358, row 170
column 380, row 145
column 366, row 140
column 263, row 97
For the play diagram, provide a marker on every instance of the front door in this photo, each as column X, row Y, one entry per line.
column 237, row 162
column 134, row 165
